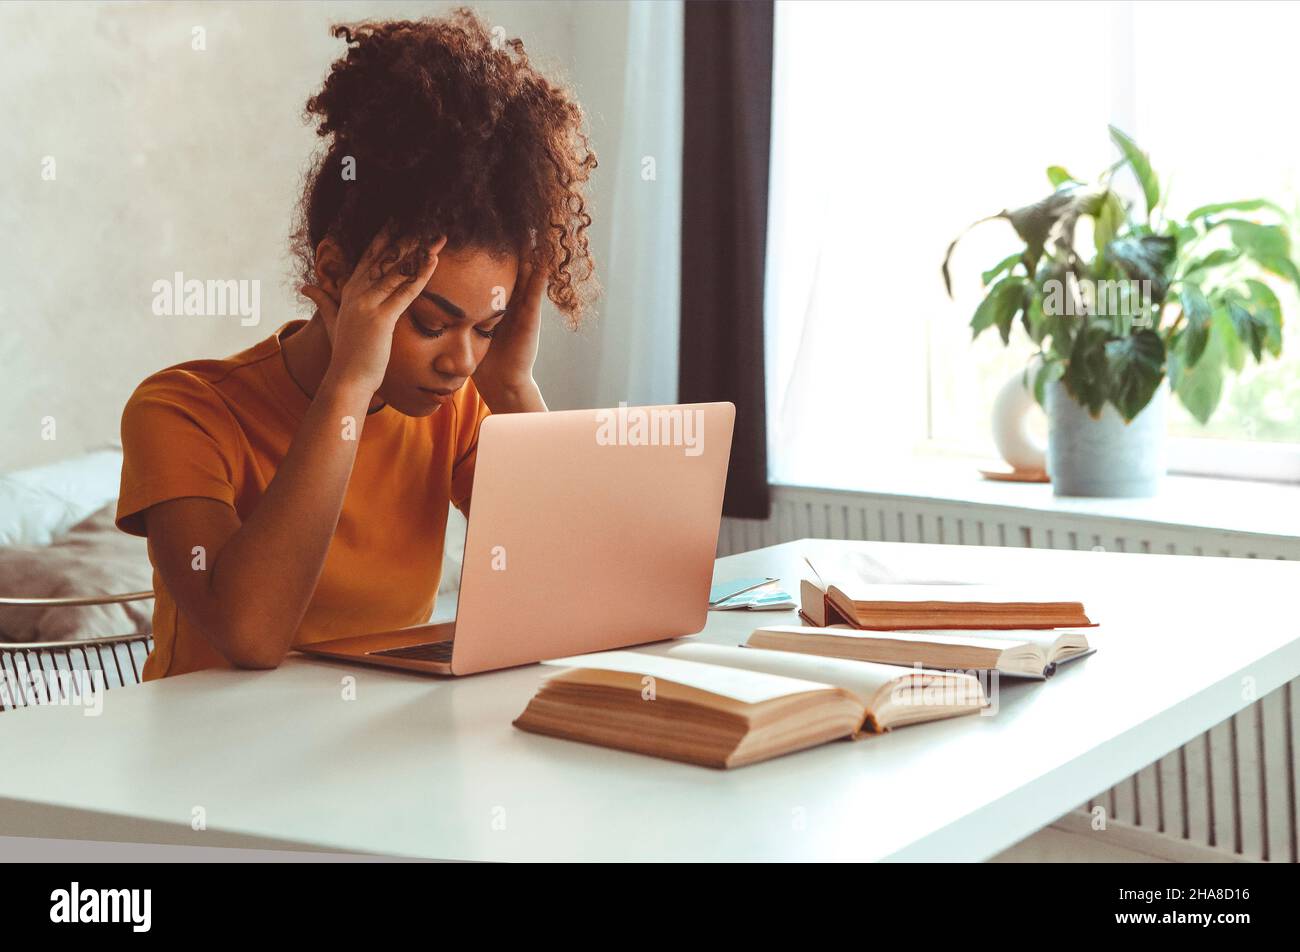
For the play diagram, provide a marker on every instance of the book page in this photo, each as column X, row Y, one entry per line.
column 745, row 685
column 993, row 638
column 854, row 569
column 862, row 679
column 954, row 594
column 1044, row 639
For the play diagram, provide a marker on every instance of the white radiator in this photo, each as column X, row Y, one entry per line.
column 1233, row 788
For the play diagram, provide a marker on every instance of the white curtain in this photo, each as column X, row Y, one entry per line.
column 640, row 311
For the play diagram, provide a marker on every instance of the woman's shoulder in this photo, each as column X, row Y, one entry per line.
column 192, row 378
column 181, row 396
column 193, row 385
column 201, row 384
column 194, row 389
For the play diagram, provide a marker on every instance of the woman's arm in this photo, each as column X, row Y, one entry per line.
column 248, row 586
column 524, row 398
column 504, row 378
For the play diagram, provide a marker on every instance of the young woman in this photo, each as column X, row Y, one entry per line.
column 298, row 491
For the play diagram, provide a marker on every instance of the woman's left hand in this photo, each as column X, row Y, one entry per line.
column 505, row 376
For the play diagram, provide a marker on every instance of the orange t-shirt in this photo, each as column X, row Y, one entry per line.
column 220, row 428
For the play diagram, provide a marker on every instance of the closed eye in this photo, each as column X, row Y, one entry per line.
column 438, row 332
column 426, row 331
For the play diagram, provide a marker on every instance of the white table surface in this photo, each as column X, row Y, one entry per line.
column 427, row 767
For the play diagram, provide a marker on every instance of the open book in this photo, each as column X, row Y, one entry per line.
column 724, row 706
column 860, row 604
column 1024, row 654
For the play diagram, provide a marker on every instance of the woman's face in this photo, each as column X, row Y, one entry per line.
column 439, row 341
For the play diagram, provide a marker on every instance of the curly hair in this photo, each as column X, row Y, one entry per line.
column 449, row 133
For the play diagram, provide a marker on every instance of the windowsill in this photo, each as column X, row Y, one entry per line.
column 1229, row 505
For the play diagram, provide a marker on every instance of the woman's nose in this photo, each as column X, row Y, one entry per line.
column 458, row 358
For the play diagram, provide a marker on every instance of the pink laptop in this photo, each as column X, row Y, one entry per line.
column 588, row 530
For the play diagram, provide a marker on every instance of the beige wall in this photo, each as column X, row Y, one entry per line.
column 169, row 159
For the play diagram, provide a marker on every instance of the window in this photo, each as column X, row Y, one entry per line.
column 895, row 125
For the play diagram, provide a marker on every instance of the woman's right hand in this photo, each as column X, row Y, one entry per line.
column 360, row 324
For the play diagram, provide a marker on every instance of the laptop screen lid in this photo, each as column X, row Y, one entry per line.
column 590, row 530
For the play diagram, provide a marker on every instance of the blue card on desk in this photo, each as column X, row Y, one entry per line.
column 721, row 591
column 764, row 598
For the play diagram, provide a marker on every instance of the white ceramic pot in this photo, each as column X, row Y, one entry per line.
column 1106, row 456
column 1013, row 410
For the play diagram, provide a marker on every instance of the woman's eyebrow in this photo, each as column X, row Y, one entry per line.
column 452, row 309
column 443, row 303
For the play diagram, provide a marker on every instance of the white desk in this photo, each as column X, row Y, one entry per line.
column 433, row 768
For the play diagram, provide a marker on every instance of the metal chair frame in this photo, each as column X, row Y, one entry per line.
column 59, row 654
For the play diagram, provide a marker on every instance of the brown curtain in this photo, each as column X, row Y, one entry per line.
column 727, row 131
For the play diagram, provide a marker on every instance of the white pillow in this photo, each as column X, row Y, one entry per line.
column 38, row 504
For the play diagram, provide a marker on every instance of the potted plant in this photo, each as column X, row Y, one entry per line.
column 1149, row 298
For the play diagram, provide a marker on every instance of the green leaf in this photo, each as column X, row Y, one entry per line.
column 999, row 307
column 1141, row 165
column 1197, row 311
column 1137, row 365
column 1086, row 376
column 1249, row 327
column 1016, row 299
column 1108, row 220
column 1267, row 309
column 1174, row 368
column 1200, row 387
column 952, row 245
column 1145, row 258
column 1257, row 320
column 1268, row 245
column 1032, row 317
column 1222, row 330
column 1256, row 240
column 1282, row 267
column 1250, row 205
column 1006, row 264
column 1058, row 176
column 1215, row 259
column 1050, row 371
column 1183, row 232
column 1061, row 303
column 1033, row 223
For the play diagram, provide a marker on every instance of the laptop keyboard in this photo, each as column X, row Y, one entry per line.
column 432, row 651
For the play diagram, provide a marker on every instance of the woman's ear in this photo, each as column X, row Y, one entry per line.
column 332, row 270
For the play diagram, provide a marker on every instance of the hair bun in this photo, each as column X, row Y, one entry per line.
column 450, row 133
